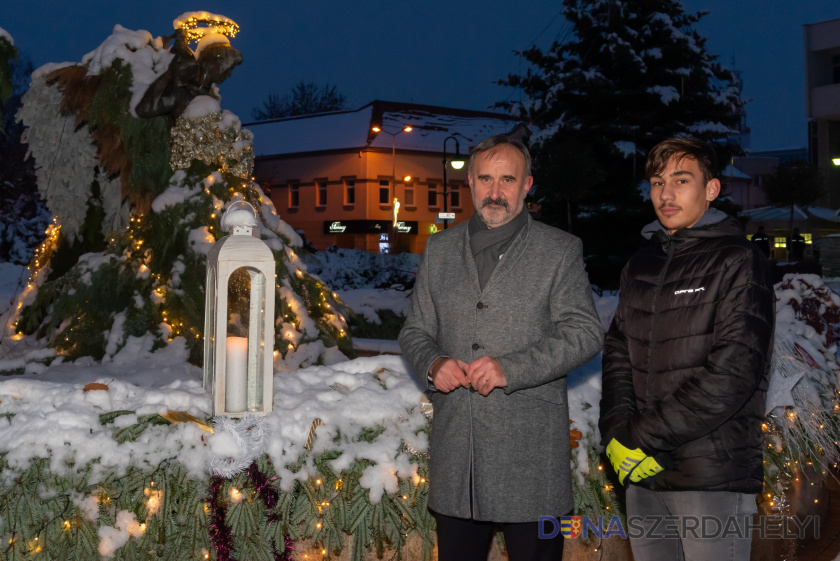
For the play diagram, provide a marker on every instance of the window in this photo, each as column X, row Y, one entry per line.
column 779, row 242
column 408, row 198
column 433, row 195
column 350, row 191
column 322, row 192
column 809, row 238
column 384, row 192
column 835, row 63
column 294, row 195
column 455, row 196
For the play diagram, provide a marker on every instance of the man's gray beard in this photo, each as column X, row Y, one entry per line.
column 488, row 201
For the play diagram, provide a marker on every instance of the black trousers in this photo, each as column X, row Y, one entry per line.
column 461, row 539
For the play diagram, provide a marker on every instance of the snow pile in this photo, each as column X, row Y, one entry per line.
column 367, row 301
column 145, row 54
column 49, row 415
column 345, row 269
column 12, row 278
column 113, row 538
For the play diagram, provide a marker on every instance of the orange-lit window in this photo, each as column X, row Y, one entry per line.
column 322, row 192
column 433, row 195
column 294, row 195
column 384, row 192
column 349, row 191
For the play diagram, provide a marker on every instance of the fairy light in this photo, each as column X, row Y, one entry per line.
column 211, row 23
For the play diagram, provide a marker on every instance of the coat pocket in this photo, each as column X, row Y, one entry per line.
column 552, row 393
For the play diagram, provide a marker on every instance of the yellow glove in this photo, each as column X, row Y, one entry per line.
column 623, row 460
column 646, row 468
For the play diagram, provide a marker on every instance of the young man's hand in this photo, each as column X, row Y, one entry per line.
column 623, row 459
column 646, row 468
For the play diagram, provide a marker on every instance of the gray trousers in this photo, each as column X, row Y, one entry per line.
column 689, row 525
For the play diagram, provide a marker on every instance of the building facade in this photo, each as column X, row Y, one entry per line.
column 822, row 103
column 373, row 178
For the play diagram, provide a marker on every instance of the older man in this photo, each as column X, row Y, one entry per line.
column 501, row 312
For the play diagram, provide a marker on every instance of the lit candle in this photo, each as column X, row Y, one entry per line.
column 236, row 369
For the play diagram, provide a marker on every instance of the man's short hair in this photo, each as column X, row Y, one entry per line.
column 499, row 140
column 682, row 147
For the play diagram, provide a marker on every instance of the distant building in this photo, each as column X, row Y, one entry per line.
column 743, row 179
column 822, row 102
column 333, row 176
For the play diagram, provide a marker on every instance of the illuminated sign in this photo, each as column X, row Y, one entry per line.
column 369, row 226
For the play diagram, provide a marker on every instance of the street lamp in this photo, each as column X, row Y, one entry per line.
column 457, row 163
column 406, row 179
column 394, row 150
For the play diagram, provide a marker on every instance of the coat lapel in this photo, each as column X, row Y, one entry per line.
column 469, row 260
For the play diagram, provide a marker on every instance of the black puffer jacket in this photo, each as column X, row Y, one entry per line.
column 686, row 360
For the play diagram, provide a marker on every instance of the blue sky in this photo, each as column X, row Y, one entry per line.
column 435, row 52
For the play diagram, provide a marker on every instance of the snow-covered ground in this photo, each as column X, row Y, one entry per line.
column 12, row 278
column 54, row 417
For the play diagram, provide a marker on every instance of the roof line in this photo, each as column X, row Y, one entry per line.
column 381, row 106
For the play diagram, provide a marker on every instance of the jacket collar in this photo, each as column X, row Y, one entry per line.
column 686, row 237
column 711, row 216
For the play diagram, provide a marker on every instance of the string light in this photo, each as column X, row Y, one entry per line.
column 214, row 24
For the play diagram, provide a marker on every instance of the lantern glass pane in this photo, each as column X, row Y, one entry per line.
column 210, row 329
column 244, row 363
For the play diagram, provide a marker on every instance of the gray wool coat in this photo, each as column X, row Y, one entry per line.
column 537, row 318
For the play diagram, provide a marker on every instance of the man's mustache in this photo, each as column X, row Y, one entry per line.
column 491, row 201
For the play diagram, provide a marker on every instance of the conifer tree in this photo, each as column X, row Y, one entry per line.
column 137, row 204
column 632, row 75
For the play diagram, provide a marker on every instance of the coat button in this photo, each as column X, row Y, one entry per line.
column 480, row 305
column 476, row 346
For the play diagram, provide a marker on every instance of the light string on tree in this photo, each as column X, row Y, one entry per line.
column 213, row 23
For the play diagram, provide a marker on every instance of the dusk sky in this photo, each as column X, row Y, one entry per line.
column 432, row 52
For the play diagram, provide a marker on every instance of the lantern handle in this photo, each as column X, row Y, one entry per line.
column 234, row 203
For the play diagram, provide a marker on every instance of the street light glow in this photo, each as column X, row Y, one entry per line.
column 407, row 128
column 457, row 164
column 376, row 129
column 406, row 179
column 835, row 161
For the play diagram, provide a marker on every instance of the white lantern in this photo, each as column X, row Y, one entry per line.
column 239, row 318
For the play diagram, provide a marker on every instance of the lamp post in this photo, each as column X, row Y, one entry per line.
column 393, row 149
column 407, row 178
column 457, row 163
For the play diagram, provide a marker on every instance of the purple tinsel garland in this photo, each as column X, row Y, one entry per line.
column 220, row 533
column 270, row 497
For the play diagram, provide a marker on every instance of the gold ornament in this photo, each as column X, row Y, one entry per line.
column 204, row 139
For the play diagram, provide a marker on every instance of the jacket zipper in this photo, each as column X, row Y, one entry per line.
column 669, row 246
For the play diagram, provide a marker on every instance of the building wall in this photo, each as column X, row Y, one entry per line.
column 822, row 82
column 367, row 168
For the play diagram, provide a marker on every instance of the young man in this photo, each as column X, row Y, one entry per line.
column 501, row 312
column 685, row 366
